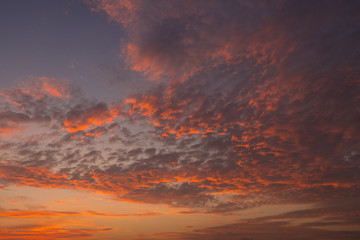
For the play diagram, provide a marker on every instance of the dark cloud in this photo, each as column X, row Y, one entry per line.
column 83, row 117
column 276, row 99
column 290, row 225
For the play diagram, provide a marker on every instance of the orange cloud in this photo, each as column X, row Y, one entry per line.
column 123, row 12
column 48, row 213
column 79, row 119
column 36, row 214
column 55, row 87
column 49, row 233
column 8, row 129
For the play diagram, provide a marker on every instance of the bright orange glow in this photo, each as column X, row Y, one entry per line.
column 47, row 233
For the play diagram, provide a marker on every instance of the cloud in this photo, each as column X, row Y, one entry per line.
column 49, row 232
column 257, row 104
column 55, row 87
column 85, row 117
column 319, row 224
column 31, row 176
column 14, row 213
column 250, row 95
column 36, row 101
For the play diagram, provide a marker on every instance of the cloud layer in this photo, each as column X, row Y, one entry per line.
column 254, row 103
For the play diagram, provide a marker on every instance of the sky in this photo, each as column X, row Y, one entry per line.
column 179, row 120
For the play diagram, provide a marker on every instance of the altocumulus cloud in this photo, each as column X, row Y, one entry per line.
column 254, row 103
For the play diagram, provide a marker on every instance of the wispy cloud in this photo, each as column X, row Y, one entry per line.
column 49, row 232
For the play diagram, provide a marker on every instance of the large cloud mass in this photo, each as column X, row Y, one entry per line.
column 255, row 103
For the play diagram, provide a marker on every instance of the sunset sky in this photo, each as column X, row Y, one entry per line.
column 179, row 120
